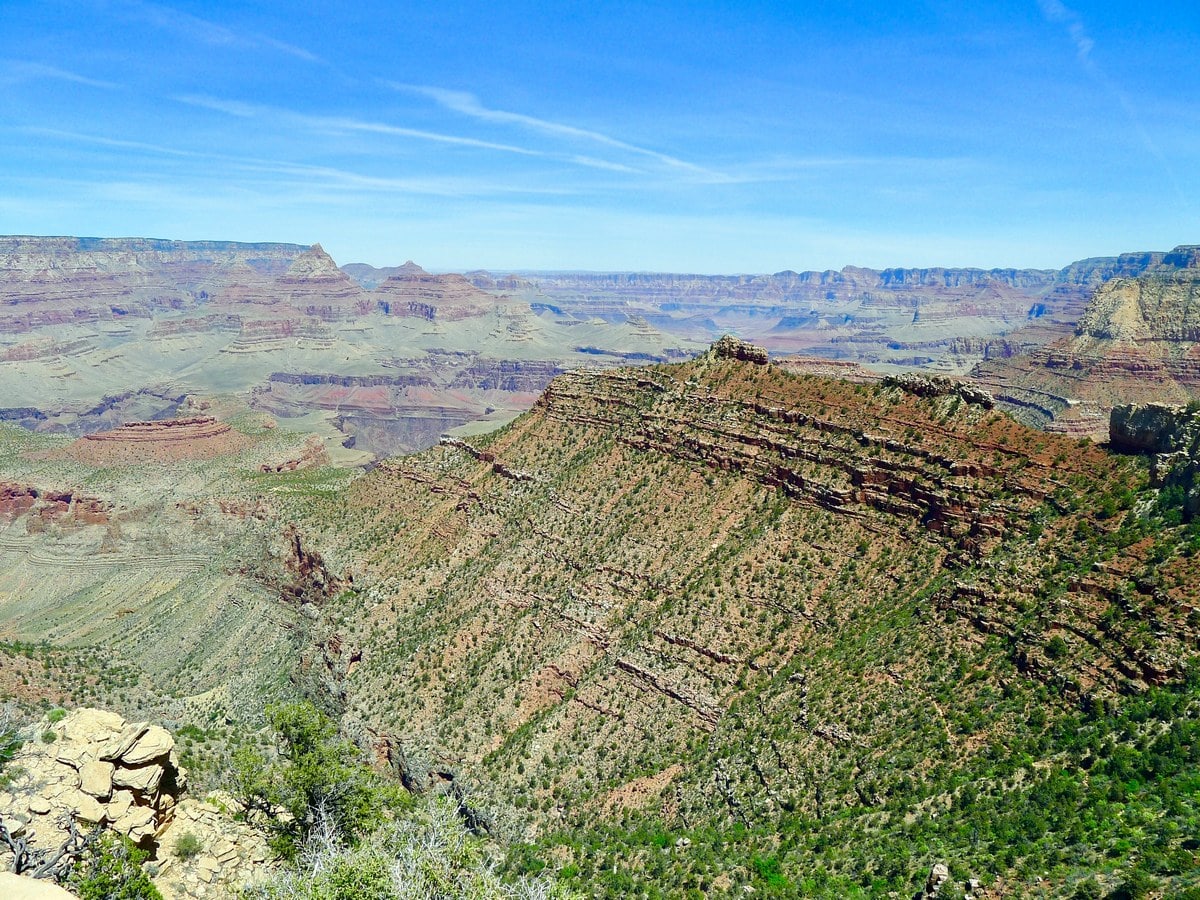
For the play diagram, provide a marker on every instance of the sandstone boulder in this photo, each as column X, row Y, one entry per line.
column 18, row 887
column 85, row 807
column 100, row 770
column 938, row 876
column 126, row 776
column 144, row 779
column 90, row 726
column 96, row 778
column 154, row 743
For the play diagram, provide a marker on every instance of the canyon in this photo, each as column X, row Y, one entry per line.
column 96, row 332
column 893, row 580
column 714, row 595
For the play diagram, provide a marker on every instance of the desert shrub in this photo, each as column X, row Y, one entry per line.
column 112, row 870
column 188, row 845
column 425, row 852
column 10, row 742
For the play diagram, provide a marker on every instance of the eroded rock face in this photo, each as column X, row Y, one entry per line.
column 97, row 769
column 67, row 280
column 1137, row 341
column 414, row 292
column 730, row 347
column 61, row 507
column 1150, row 427
column 197, row 437
column 1172, row 435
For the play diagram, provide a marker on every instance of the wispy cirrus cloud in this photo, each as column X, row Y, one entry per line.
column 350, row 125
column 15, row 71
column 333, row 178
column 101, row 141
column 229, row 107
column 469, row 105
column 343, row 124
column 214, row 34
column 1059, row 13
column 309, row 177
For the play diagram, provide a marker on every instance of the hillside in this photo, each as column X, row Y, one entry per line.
column 694, row 627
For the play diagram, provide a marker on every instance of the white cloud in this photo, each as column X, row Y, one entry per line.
column 468, row 104
column 13, row 71
column 1055, row 11
column 205, row 32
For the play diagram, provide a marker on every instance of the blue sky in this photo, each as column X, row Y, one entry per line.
column 678, row 136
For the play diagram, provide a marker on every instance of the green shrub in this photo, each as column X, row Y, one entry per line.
column 1137, row 884
column 188, row 846
column 319, row 779
column 112, row 870
column 49, row 737
column 1056, row 648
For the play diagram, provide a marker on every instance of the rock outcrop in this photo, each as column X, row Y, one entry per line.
column 63, row 507
column 940, row 386
column 229, row 854
column 169, row 440
column 1152, row 428
column 729, row 347
column 1172, row 435
column 93, row 768
column 97, row 769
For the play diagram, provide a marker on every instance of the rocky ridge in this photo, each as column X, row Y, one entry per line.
column 662, row 613
column 773, row 539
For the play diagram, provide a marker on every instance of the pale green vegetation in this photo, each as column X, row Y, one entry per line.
column 351, row 834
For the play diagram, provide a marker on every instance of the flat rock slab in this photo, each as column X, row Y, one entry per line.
column 18, row 887
column 96, row 779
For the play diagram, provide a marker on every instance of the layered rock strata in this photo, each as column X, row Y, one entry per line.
column 1137, row 341
column 169, row 440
